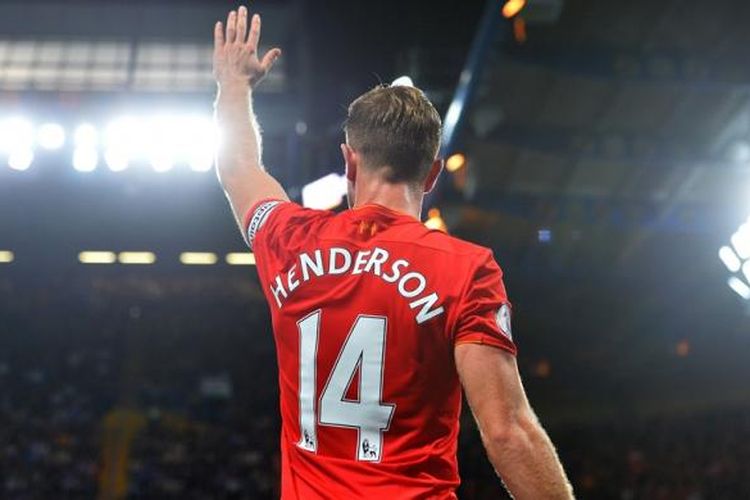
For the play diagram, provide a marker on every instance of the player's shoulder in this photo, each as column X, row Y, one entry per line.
column 300, row 210
column 287, row 221
column 283, row 209
column 444, row 242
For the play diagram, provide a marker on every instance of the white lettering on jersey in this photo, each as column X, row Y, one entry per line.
column 307, row 265
column 427, row 303
column 332, row 269
column 410, row 285
column 360, row 261
column 278, row 290
column 396, row 270
column 379, row 256
column 417, row 290
column 290, row 281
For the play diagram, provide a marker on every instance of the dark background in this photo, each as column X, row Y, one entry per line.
column 620, row 129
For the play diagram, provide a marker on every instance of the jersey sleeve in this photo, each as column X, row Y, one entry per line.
column 276, row 228
column 485, row 312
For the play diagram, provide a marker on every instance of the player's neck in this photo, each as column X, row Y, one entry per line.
column 398, row 197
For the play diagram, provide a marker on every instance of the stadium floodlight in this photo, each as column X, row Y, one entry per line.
column 741, row 241
column 20, row 158
column 736, row 258
column 17, row 140
column 16, row 133
column 122, row 138
column 402, row 81
column 201, row 162
column 136, row 258
column 240, row 259
column 97, row 257
column 198, row 258
column 163, row 141
column 50, row 136
column 201, row 137
column 86, row 135
column 740, row 287
column 730, row 259
column 85, row 159
column 117, row 160
column 324, row 193
column 6, row 256
column 162, row 162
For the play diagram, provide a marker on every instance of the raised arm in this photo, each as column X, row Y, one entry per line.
column 517, row 445
column 238, row 71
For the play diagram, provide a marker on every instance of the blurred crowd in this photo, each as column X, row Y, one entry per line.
column 194, row 363
column 697, row 457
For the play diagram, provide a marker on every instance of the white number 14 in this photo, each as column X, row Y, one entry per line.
column 363, row 350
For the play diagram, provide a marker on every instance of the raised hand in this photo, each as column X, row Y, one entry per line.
column 236, row 51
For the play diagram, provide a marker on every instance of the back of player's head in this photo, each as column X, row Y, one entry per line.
column 396, row 129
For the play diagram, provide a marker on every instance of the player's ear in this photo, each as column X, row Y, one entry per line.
column 432, row 176
column 350, row 162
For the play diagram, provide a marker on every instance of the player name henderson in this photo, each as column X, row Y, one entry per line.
column 410, row 285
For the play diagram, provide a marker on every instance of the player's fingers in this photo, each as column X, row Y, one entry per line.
column 252, row 39
column 270, row 58
column 242, row 24
column 231, row 27
column 218, row 35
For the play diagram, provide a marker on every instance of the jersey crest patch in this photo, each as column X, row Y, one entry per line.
column 503, row 321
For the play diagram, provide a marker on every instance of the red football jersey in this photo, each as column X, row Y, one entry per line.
column 367, row 306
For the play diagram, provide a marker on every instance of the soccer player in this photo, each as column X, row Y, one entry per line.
column 378, row 321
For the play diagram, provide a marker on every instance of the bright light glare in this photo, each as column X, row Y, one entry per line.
column 6, row 256
column 324, row 193
column 20, row 159
column 435, row 221
column 137, row 258
column 164, row 141
column 85, row 159
column 746, row 270
column 86, row 135
column 740, row 287
column 402, row 81
column 117, row 160
column 201, row 162
column 451, row 117
column 730, row 259
column 741, row 241
column 97, row 257
column 455, row 162
column 202, row 138
column 198, row 258
column 162, row 161
column 513, row 7
column 240, row 259
column 16, row 134
column 50, row 136
column 122, row 140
